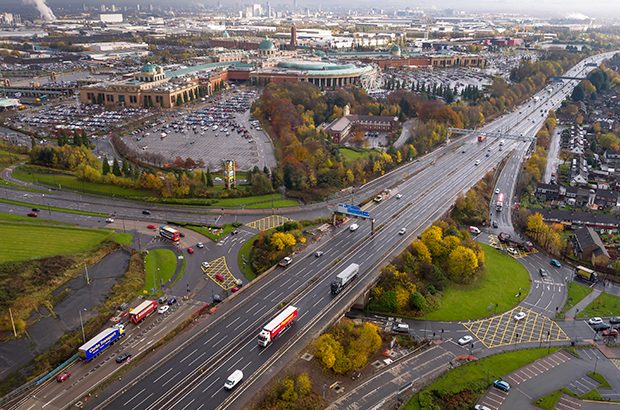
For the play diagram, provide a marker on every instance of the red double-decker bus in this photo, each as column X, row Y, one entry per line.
column 169, row 233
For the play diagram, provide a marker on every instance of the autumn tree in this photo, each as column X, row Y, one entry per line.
column 462, row 265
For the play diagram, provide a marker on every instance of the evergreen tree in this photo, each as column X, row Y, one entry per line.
column 116, row 169
column 266, row 170
column 209, row 178
column 85, row 140
column 105, row 170
column 125, row 168
column 77, row 140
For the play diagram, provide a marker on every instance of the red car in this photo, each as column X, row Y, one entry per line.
column 190, row 250
column 235, row 289
column 151, row 226
column 33, row 214
column 219, row 277
column 610, row 333
column 63, row 376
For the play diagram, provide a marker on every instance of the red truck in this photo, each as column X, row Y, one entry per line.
column 140, row 312
column 277, row 325
column 482, row 137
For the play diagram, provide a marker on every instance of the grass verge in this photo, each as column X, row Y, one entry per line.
column 9, row 217
column 494, row 292
column 213, row 233
column 122, row 238
column 604, row 305
column 159, row 266
column 52, row 208
column 21, row 242
column 549, row 401
column 576, row 292
column 470, row 380
column 602, row 381
column 243, row 258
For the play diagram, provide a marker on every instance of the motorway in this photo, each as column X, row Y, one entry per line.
column 192, row 373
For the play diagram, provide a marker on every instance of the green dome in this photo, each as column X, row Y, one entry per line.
column 395, row 49
column 266, row 44
column 149, row 68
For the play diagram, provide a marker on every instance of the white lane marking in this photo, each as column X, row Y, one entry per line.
column 209, row 386
column 145, row 399
column 167, row 371
column 193, row 361
column 235, row 363
column 188, row 404
column 129, row 401
column 188, row 356
column 214, row 336
column 170, row 379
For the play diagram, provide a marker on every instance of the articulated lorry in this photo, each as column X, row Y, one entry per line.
column 277, row 325
column 586, row 274
column 140, row 312
column 99, row 343
column 344, row 278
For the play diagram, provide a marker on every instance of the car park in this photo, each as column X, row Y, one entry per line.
column 595, row 320
column 520, row 316
column 163, row 309
column 556, row 263
column 465, row 340
column 63, row 376
column 122, row 357
column 502, row 385
column 353, row 227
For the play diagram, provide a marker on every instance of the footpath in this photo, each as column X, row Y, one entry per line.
column 570, row 315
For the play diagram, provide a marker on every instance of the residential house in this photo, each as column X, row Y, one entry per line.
column 589, row 247
column 604, row 223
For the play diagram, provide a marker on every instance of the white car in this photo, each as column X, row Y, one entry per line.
column 163, row 309
column 109, row 220
column 402, row 231
column 595, row 321
column 477, row 162
column 520, row 315
column 481, row 407
column 354, row 227
column 497, row 190
column 398, row 196
column 205, row 264
column 465, row 340
column 200, row 245
column 512, row 251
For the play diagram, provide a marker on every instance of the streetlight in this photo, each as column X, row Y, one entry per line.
column 82, row 325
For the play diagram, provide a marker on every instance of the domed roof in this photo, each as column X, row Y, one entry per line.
column 395, row 49
column 149, row 68
column 266, row 44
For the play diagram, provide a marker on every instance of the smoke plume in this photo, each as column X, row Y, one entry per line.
column 44, row 10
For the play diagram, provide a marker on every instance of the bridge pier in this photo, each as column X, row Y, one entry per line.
column 362, row 300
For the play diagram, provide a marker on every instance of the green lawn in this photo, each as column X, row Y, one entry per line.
column 604, row 305
column 23, row 242
column 45, row 176
column 501, row 280
column 9, row 158
column 549, row 401
column 45, row 208
column 476, row 376
column 160, row 265
column 123, row 238
column 257, row 201
column 244, row 255
column 576, row 292
column 351, row 155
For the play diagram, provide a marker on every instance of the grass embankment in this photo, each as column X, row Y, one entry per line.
column 122, row 238
column 576, row 292
column 604, row 305
column 24, row 242
column 67, row 180
column 46, row 208
column 243, row 258
column 159, row 265
column 502, row 279
column 471, row 379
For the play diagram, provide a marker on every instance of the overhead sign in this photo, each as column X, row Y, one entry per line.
column 352, row 210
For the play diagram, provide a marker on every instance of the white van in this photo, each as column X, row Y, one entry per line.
column 233, row 379
column 353, row 227
column 474, row 230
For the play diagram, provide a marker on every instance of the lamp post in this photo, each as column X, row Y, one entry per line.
column 82, row 326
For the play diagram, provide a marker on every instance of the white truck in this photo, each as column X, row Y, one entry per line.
column 344, row 278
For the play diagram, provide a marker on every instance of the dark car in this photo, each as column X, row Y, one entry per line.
column 495, row 224
column 601, row 326
column 35, row 210
column 145, row 212
column 614, row 320
column 32, row 214
column 122, row 357
column 172, row 301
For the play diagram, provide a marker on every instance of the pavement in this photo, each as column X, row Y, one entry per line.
column 583, row 303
